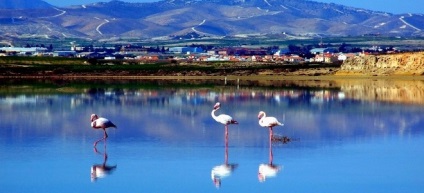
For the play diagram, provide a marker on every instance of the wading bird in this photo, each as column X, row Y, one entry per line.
column 269, row 122
column 222, row 118
column 101, row 123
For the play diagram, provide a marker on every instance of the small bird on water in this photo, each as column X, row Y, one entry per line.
column 101, row 123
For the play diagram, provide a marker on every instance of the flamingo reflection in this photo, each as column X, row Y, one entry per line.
column 101, row 123
column 270, row 169
column 224, row 170
column 101, row 170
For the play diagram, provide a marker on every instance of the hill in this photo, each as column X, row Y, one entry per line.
column 169, row 18
column 23, row 4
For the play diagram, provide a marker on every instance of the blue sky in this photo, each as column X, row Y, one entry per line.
column 391, row 6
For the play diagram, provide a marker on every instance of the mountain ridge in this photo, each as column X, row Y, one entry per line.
column 23, row 4
column 205, row 17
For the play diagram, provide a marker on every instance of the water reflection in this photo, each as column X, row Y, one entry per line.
column 224, row 170
column 315, row 112
column 101, row 170
column 171, row 127
column 269, row 170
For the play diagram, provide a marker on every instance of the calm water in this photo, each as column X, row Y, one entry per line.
column 166, row 140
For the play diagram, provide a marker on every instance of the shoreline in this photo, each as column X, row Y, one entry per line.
column 218, row 77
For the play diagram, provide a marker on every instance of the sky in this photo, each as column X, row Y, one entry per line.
column 390, row 6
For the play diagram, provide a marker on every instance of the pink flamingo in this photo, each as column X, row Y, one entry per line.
column 222, row 118
column 269, row 122
column 101, row 123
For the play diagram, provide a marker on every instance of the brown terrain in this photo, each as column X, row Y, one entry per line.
column 393, row 65
column 383, row 65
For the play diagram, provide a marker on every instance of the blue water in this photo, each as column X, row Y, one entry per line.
column 166, row 141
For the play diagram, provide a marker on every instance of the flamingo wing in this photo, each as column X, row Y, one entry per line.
column 269, row 122
column 225, row 119
column 104, row 123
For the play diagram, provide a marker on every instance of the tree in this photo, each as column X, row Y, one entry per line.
column 92, row 61
column 293, row 48
column 342, row 47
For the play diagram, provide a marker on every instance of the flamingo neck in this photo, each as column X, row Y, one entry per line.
column 261, row 122
column 213, row 114
column 263, row 115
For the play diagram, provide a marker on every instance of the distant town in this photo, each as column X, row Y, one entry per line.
column 141, row 54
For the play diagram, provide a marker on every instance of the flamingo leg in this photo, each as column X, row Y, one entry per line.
column 270, row 145
column 271, row 156
column 104, row 159
column 104, row 138
column 226, row 131
column 271, row 135
column 226, row 144
column 95, row 143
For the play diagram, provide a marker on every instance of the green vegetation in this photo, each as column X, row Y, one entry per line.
column 48, row 66
column 52, row 86
column 58, row 66
column 35, row 60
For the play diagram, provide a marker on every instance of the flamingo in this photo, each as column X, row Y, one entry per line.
column 222, row 118
column 101, row 123
column 269, row 122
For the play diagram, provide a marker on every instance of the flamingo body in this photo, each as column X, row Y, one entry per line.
column 101, row 123
column 265, row 121
column 222, row 118
column 225, row 119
